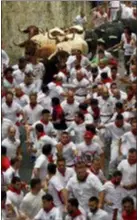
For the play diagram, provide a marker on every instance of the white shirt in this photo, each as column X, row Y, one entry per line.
column 44, row 101
column 129, row 49
column 114, row 4
column 128, row 175
column 69, row 109
column 84, row 190
column 68, row 153
column 79, row 217
column 55, row 90
column 99, row 215
column 128, row 140
column 34, row 114
column 106, row 106
column 41, row 164
column 80, row 20
column 38, row 70
column 32, row 204
column 18, row 76
column 4, row 127
column 73, row 73
column 113, row 194
column 127, row 115
column 48, row 128
column 14, row 198
column 5, row 58
column 69, row 172
column 114, row 132
column 28, row 89
column 8, row 174
column 22, row 101
column 82, row 86
column 53, row 214
column 54, row 188
column 10, row 112
column 78, row 130
column 11, row 147
column 71, row 62
column 89, row 151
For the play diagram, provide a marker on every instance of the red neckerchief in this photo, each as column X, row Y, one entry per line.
column 135, row 13
column 19, row 96
column 85, row 112
column 9, row 79
column 9, row 104
column 50, row 208
column 12, row 189
column 33, row 105
column 134, row 132
column 130, row 96
column 50, row 159
column 45, row 123
column 76, row 213
column 108, row 80
column 94, row 171
column 132, row 216
column 41, row 135
column 62, row 173
column 117, row 125
column 113, row 180
column 132, row 162
column 58, row 83
column 64, row 70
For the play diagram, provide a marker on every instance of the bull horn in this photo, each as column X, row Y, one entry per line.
column 51, row 38
column 73, row 36
column 41, row 30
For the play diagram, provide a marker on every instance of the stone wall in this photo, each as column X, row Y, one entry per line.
column 42, row 14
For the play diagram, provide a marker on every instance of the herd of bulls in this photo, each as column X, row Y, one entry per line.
column 58, row 43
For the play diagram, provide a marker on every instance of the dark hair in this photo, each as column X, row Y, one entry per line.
column 91, row 128
column 51, row 168
column 94, row 70
column 34, row 182
column 46, row 150
column 45, row 111
column 113, row 83
column 83, row 106
column 80, row 115
column 3, row 195
column 94, row 199
column 9, row 93
column 132, row 150
column 47, row 197
column 65, row 133
column 55, row 101
column 45, row 89
column 3, row 150
column 74, row 202
column 128, row 30
column 15, row 179
column 127, row 199
column 93, row 102
column 22, row 60
column 119, row 117
column 14, row 160
column 104, row 75
column 33, row 94
column 39, row 127
column 60, row 159
column 119, row 105
column 8, row 69
column 117, row 173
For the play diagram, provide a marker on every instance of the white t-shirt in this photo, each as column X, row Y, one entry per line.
column 128, row 141
column 14, row 198
column 80, row 20
column 99, row 215
column 84, row 190
column 32, row 204
column 8, row 174
column 128, row 176
column 4, row 127
column 28, row 89
column 69, row 172
column 54, row 188
column 69, row 109
column 23, row 100
column 129, row 49
column 18, row 76
column 34, row 114
column 44, row 101
column 78, row 130
column 82, row 84
column 41, row 164
column 11, row 147
column 89, row 151
column 10, row 112
column 53, row 214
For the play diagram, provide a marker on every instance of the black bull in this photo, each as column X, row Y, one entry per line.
column 107, row 30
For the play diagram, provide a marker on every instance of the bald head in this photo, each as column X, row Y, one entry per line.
column 70, row 97
column 11, row 131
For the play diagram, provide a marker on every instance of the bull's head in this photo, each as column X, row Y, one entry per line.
column 29, row 46
column 31, row 31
